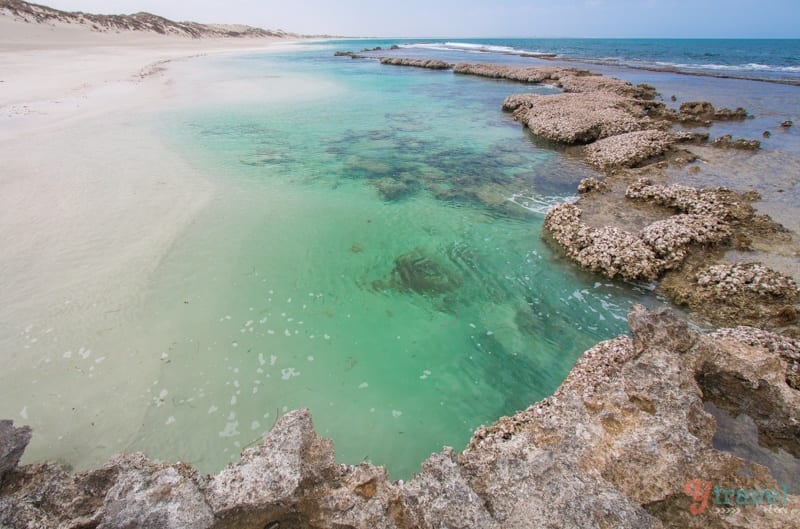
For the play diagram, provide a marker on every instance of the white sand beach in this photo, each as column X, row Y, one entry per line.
column 90, row 202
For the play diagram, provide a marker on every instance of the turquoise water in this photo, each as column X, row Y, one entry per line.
column 362, row 259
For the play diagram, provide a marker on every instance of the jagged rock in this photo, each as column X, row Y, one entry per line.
column 350, row 54
column 46, row 496
column 359, row 497
column 727, row 142
column 630, row 415
column 705, row 219
column 579, row 118
column 149, row 496
column 12, row 445
column 587, row 185
column 703, row 111
column 441, row 496
column 417, row 63
column 628, row 150
column 264, row 485
column 741, row 378
column 787, row 348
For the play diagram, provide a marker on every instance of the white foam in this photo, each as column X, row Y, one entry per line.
column 288, row 373
column 363, row 385
column 231, row 429
column 396, row 413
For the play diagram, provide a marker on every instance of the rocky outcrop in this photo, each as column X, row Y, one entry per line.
column 532, row 74
column 12, row 444
column 629, row 149
column 607, row 250
column 703, row 218
column 734, row 293
column 727, row 142
column 578, row 118
column 704, row 112
column 625, row 442
column 430, row 64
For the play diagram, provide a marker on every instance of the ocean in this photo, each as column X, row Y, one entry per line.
column 767, row 59
column 373, row 251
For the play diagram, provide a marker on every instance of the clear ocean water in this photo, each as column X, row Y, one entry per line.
column 373, row 251
column 770, row 59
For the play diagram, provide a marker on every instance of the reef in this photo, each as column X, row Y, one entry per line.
column 417, row 63
column 624, row 442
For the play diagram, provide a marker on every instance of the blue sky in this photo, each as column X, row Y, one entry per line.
column 481, row 18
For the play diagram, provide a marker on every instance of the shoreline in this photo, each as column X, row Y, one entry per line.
column 91, row 201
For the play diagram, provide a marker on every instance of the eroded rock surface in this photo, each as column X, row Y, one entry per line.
column 578, row 118
column 430, row 64
column 12, row 445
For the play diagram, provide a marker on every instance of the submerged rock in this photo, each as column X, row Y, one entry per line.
column 416, row 271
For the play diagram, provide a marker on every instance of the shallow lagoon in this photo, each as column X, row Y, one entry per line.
column 372, row 251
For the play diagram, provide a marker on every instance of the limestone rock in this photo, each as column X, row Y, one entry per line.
column 263, row 485
column 671, row 238
column 430, row 64
column 12, row 445
column 736, row 293
column 580, row 118
column 703, row 111
column 587, row 185
column 727, row 142
column 148, row 496
column 629, row 149
column 533, row 74
column 359, row 497
column 613, row 252
column 441, row 496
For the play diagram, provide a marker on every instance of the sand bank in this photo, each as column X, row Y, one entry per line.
column 90, row 202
